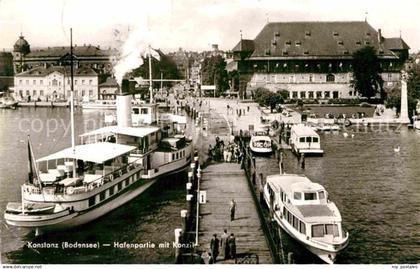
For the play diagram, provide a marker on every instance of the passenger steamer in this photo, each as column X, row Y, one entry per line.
column 112, row 166
column 302, row 209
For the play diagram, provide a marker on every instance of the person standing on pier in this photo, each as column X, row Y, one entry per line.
column 224, row 245
column 232, row 210
column 214, row 247
column 232, row 246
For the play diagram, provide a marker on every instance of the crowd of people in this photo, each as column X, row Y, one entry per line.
column 225, row 248
column 229, row 152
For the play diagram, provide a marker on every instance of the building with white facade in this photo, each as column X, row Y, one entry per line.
column 313, row 60
column 53, row 83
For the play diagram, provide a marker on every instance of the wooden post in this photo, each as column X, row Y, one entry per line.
column 184, row 219
column 190, row 177
column 189, row 204
column 302, row 160
column 189, row 188
column 290, row 258
column 281, row 167
column 178, row 233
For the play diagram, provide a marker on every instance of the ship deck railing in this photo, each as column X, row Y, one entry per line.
column 80, row 185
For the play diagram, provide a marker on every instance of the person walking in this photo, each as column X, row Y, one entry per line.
column 214, row 247
column 232, row 246
column 232, row 209
column 224, row 251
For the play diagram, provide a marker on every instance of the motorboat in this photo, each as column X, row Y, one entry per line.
column 261, row 143
column 303, row 139
column 302, row 208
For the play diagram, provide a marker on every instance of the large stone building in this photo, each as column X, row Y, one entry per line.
column 313, row 60
column 53, row 83
column 25, row 58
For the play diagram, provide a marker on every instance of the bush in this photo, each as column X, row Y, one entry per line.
column 345, row 101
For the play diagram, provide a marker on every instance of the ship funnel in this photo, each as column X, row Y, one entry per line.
column 124, row 110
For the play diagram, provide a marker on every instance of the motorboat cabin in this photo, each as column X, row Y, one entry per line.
column 303, row 139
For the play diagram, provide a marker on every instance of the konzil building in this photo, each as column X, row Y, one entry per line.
column 312, row 60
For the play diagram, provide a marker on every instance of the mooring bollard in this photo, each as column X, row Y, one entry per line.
column 290, row 259
column 184, row 219
column 189, row 204
column 189, row 188
column 190, row 177
column 178, row 233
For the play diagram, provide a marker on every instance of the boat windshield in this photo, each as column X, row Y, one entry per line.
column 310, row 196
column 261, row 144
column 320, row 230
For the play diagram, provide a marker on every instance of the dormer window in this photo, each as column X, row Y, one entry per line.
column 358, row 43
column 277, row 33
column 367, row 42
column 335, row 33
column 306, row 52
column 274, row 42
column 285, row 53
column 288, row 43
column 307, row 33
column 267, row 52
column 367, row 33
column 298, row 43
column 340, row 42
column 346, row 52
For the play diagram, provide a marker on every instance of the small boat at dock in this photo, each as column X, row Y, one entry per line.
column 303, row 139
column 303, row 209
column 261, row 143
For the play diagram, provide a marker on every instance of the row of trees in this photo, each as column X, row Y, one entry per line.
column 265, row 97
column 213, row 72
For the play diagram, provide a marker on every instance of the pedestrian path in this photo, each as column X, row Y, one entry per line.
column 223, row 182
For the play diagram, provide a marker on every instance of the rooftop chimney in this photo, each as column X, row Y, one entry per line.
column 379, row 36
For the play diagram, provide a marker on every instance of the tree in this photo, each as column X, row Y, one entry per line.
column 214, row 73
column 265, row 97
column 367, row 71
column 166, row 66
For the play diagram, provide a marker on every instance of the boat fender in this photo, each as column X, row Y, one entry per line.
column 111, row 177
column 128, row 168
column 120, row 172
column 90, row 187
column 70, row 190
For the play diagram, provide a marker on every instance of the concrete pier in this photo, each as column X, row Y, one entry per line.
column 223, row 182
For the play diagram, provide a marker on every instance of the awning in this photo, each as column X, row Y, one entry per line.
column 130, row 131
column 97, row 152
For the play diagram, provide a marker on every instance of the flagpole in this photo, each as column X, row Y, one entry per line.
column 72, row 102
column 150, row 75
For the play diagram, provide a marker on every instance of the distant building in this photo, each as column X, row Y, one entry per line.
column 182, row 61
column 54, row 83
column 25, row 58
column 312, row 60
column 109, row 89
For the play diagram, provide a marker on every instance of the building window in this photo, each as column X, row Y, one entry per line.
column 311, row 95
column 335, row 94
column 83, row 92
column 318, row 94
column 34, row 92
column 21, row 93
column 54, row 82
column 41, row 82
column 83, row 82
column 350, row 93
column 34, row 82
column 294, row 94
column 303, row 95
column 28, row 93
column 326, row 94
column 330, row 78
column 90, row 93
column 75, row 82
column 20, row 82
column 389, row 77
column 27, row 82
column 41, row 93
column 90, row 82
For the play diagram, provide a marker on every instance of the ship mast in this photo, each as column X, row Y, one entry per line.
column 150, row 75
column 73, row 146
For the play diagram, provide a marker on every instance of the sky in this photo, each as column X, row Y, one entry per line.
column 190, row 24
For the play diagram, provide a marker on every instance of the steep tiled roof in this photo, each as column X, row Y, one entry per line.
column 42, row 71
column 110, row 82
column 314, row 39
column 244, row 45
column 80, row 51
column 395, row 43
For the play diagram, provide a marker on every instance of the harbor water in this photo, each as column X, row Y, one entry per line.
column 376, row 189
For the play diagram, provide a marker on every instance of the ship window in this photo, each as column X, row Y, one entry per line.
column 302, row 228
column 173, row 156
column 111, row 191
column 136, row 111
column 308, row 139
column 318, row 230
column 310, row 196
column 119, row 186
column 102, row 196
column 315, row 139
column 143, row 111
column 92, row 201
column 295, row 223
column 289, row 217
column 297, row 195
column 302, row 140
column 331, row 229
column 127, row 182
column 321, row 195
